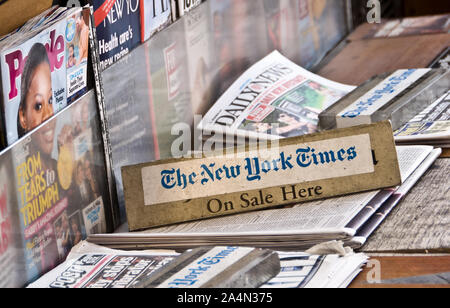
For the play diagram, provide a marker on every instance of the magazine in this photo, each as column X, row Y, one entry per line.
column 10, row 269
column 288, row 228
column 155, row 16
column 218, row 34
column 431, row 126
column 281, row 27
column 45, row 61
column 247, row 25
column 184, row 6
column 142, row 109
column 321, row 26
column 200, row 58
column 170, row 103
column 273, row 99
column 57, row 189
column 308, row 32
column 223, row 68
column 305, row 31
column 14, row 13
column 118, row 26
column 129, row 115
column 234, row 25
column 45, row 17
column 77, row 49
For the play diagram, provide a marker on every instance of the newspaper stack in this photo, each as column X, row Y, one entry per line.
column 303, row 270
column 216, row 267
column 92, row 266
column 430, row 127
column 351, row 219
column 274, row 99
column 396, row 97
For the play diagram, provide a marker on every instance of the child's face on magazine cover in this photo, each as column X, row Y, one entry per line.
column 39, row 99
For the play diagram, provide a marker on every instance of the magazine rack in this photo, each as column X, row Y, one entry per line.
column 136, row 109
column 56, row 187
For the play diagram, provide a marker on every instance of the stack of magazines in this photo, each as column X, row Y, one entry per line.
column 43, row 68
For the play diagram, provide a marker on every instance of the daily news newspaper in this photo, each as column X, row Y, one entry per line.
column 274, row 99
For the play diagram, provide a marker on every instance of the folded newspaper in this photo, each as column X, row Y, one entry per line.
column 92, row 266
column 303, row 270
column 273, row 99
column 350, row 218
column 430, row 127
